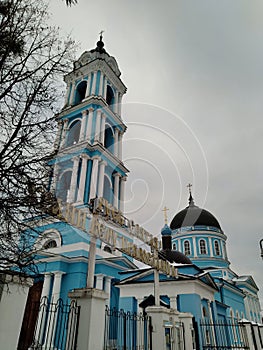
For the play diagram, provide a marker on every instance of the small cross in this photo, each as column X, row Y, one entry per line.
column 189, row 187
column 100, row 33
column 165, row 210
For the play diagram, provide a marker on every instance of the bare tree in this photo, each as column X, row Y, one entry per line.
column 32, row 60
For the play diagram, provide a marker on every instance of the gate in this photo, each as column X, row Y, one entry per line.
column 127, row 330
column 223, row 335
column 56, row 326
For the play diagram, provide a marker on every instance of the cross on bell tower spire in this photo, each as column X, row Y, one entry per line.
column 191, row 200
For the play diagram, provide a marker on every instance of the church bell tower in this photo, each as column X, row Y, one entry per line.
column 88, row 163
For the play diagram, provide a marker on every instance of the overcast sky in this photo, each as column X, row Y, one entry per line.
column 194, row 73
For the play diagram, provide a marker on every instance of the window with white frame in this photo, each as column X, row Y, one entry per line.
column 217, row 248
column 202, row 246
column 187, row 250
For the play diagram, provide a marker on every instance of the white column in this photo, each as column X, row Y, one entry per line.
column 107, row 287
column 101, row 178
column 42, row 312
column 120, row 102
column 120, row 146
column 116, row 143
column 101, row 83
column 210, row 246
column 94, row 177
column 58, row 136
column 97, row 128
column 116, row 190
column 54, row 178
column 123, row 181
column 116, row 102
column 65, row 128
column 102, row 128
column 72, row 93
column 83, row 175
column 194, row 245
column 73, row 183
column 83, row 126
column 89, row 126
column 52, row 321
column 94, row 83
column 173, row 302
column 99, row 281
column 105, row 88
column 156, row 287
column 56, row 285
column 91, row 265
column 88, row 86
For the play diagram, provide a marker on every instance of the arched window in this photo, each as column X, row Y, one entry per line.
column 187, row 250
column 204, row 311
column 50, row 244
column 80, row 91
column 174, row 246
column 107, row 189
column 202, row 246
column 217, row 248
column 73, row 133
column 107, row 249
column 109, row 138
column 109, row 96
column 64, row 185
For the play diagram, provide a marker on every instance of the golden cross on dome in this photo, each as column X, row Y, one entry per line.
column 165, row 210
column 189, row 187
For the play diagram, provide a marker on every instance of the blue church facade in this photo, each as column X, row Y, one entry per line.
column 88, row 165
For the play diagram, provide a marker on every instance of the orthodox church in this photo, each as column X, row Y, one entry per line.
column 89, row 178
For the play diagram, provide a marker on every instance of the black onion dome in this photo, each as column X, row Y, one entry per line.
column 173, row 256
column 194, row 216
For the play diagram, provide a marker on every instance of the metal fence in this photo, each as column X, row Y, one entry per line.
column 56, row 326
column 223, row 334
column 127, row 330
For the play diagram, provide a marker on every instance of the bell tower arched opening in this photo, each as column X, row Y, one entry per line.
column 64, row 185
column 109, row 96
column 80, row 91
column 73, row 133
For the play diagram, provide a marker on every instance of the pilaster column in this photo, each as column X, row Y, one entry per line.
column 83, row 175
column 105, row 88
column 101, row 83
column 94, row 83
column 120, row 145
column 53, row 314
column 67, row 97
column 94, row 177
column 54, row 178
column 99, row 281
column 102, row 128
column 173, row 302
column 101, row 178
column 116, row 143
column 123, row 181
column 116, row 102
column 97, row 128
column 120, row 102
column 64, row 130
column 72, row 94
column 73, row 183
column 56, row 285
column 88, row 86
column 46, row 285
column 83, row 126
column 107, row 288
column 210, row 246
column 194, row 245
column 116, row 190
column 58, row 136
column 89, row 126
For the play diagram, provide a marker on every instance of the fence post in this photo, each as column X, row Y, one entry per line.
column 250, row 334
column 187, row 320
column 92, row 317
